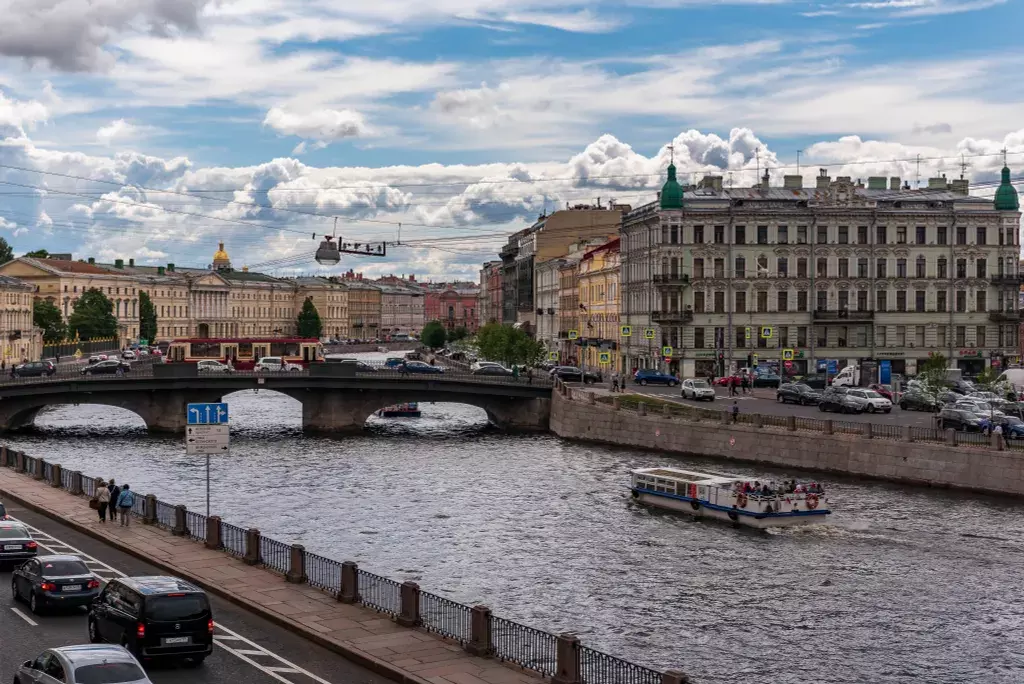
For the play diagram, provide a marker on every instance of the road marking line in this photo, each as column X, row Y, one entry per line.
column 271, row 671
column 24, row 617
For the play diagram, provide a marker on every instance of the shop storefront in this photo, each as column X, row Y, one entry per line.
column 970, row 361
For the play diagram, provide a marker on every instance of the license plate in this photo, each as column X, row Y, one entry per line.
column 177, row 640
column 12, row 547
column 71, row 587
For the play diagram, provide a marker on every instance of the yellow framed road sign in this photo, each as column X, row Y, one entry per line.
column 666, row 351
column 626, row 331
column 604, row 358
column 787, row 354
column 746, row 331
column 767, row 332
column 648, row 333
column 574, row 334
column 552, row 356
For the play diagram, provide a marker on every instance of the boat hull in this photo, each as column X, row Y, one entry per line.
column 746, row 518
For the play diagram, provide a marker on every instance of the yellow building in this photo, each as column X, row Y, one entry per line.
column 598, row 310
column 331, row 302
column 21, row 340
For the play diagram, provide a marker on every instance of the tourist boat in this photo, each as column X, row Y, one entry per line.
column 408, row 410
column 729, row 497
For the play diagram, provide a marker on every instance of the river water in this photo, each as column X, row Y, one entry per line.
column 904, row 584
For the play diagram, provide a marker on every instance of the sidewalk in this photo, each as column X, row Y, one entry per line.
column 362, row 635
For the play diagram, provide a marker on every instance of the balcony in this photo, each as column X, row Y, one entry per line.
column 1006, row 316
column 843, row 316
column 671, row 317
column 1007, row 279
column 671, row 279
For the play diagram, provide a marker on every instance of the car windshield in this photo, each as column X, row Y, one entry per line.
column 171, row 608
column 14, row 533
column 871, row 394
column 64, row 568
column 108, row 673
column 700, row 384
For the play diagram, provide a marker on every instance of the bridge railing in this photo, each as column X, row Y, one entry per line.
column 474, row 627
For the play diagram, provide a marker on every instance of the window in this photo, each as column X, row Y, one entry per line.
column 844, row 235
column 821, row 335
column 901, row 335
column 881, row 235
column 842, row 336
column 762, row 235
column 741, row 267
column 822, row 235
column 822, row 301
column 940, row 235
column 961, row 336
column 940, row 336
column 979, row 339
column 719, row 235
column 783, row 234
column 901, row 268
column 719, row 268
column 698, row 338
column 880, row 298
column 981, row 297
column 862, row 300
column 762, row 303
column 782, row 300
column 698, row 302
column 741, row 337
column 921, row 235
column 783, row 266
column 862, row 235
column 698, row 268
column 740, row 233
column 844, row 300
column 844, row 268
column 980, row 265
column 674, row 235
column 942, row 265
column 861, row 332
column 901, row 300
column 698, row 234
column 940, row 301
column 901, row 235
column 862, row 267
column 919, row 335
column 920, row 267
column 961, row 235
column 961, row 301
column 801, row 336
column 822, row 267
column 801, row 267
column 880, row 268
column 801, row 235
column 741, row 302
column 719, row 302
column 961, row 268
column 801, row 300
column 981, row 236
column 919, row 299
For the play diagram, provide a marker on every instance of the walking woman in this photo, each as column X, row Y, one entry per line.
column 103, row 496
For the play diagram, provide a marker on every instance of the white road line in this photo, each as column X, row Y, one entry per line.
column 245, row 655
column 24, row 617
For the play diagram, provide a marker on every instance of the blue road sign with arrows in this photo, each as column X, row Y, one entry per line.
column 207, row 414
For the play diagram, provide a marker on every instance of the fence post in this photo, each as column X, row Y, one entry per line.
column 828, row 429
column 349, row 583
column 19, row 461
column 76, row 482
column 479, row 643
column 410, row 615
column 3, row 457
column 149, row 518
column 180, row 528
column 56, row 478
column 868, row 431
column 616, row 403
column 758, row 420
column 40, row 465
column 950, row 436
column 674, row 677
column 297, row 565
column 567, row 660
column 791, row 423
column 591, row 398
column 641, row 409
column 213, row 540
column 908, row 433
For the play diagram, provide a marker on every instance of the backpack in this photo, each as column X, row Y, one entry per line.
column 127, row 499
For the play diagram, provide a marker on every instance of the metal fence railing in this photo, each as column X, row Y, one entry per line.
column 274, row 554
column 600, row 668
column 139, row 505
column 524, row 646
column 232, row 538
column 445, row 617
column 165, row 516
column 323, row 573
column 380, row 593
column 196, row 524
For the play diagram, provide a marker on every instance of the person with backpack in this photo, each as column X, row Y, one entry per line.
column 124, row 505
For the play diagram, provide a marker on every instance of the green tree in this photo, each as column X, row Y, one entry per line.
column 147, row 317
column 433, row 335
column 6, row 253
column 459, row 333
column 510, row 345
column 38, row 254
column 933, row 372
column 93, row 317
column 47, row 316
column 309, row 320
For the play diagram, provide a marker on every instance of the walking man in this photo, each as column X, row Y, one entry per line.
column 124, row 505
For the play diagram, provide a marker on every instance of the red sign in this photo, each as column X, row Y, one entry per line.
column 788, row 364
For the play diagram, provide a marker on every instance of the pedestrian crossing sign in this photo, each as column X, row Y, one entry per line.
column 767, row 332
column 648, row 333
column 666, row 351
column 627, row 331
column 746, row 331
column 574, row 334
column 787, row 354
column 552, row 356
column 604, row 358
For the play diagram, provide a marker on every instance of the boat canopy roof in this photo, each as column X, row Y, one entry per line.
column 690, row 476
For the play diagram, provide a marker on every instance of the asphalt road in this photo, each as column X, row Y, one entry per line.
column 249, row 649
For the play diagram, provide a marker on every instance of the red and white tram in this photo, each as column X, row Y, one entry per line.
column 243, row 353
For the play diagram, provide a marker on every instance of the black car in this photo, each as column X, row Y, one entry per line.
column 766, row 380
column 54, row 581
column 16, row 543
column 154, row 617
column 959, row 419
column 3, row 512
column 797, row 393
column 35, row 369
column 419, row 367
column 916, row 400
column 573, row 374
column 836, row 399
column 817, row 381
column 108, row 367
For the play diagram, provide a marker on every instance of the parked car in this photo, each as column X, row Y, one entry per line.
column 54, row 581
column 918, row 400
column 96, row 358
column 959, row 419
column 394, row 362
column 573, row 374
column 16, row 543
column 874, row 402
column 477, row 365
column 797, row 393
column 108, row 367
column 766, row 380
column 421, row 367
column 154, row 617
column 726, row 379
column 698, row 389
column 885, row 390
column 650, row 376
column 211, row 366
column 128, row 355
column 492, row 369
column 835, row 400
column 88, row 664
column 818, row 381
column 35, row 369
column 274, row 364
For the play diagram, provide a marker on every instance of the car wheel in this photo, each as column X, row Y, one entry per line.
column 779, row 398
column 821, row 407
column 94, row 632
column 643, row 382
column 671, row 383
column 903, row 406
column 194, row 662
column 34, row 605
column 88, row 372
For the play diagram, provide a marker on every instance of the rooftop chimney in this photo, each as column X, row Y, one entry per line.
column 709, row 182
column 159, row 270
column 118, row 263
column 823, row 179
column 131, row 262
column 765, row 180
column 960, row 186
column 92, row 260
column 793, row 182
column 894, row 183
column 876, row 182
column 170, row 268
column 938, row 183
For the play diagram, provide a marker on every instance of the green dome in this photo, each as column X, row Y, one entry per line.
column 672, row 191
column 1006, row 195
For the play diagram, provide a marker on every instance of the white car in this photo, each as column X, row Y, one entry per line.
column 273, row 364
column 85, row 663
column 871, row 400
column 211, row 366
column 128, row 355
column 480, row 364
column 695, row 388
column 96, row 358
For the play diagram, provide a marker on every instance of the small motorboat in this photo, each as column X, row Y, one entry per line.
column 407, row 410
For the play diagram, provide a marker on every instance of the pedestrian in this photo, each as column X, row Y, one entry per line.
column 615, row 380
column 529, row 375
column 115, row 492
column 744, row 383
column 57, row 359
column 732, row 386
column 124, row 505
column 515, row 372
column 103, row 497
column 735, row 410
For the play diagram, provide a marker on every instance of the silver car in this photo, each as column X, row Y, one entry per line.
column 86, row 664
column 211, row 366
column 697, row 389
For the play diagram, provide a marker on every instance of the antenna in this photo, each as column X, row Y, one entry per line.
column 918, row 172
column 963, row 166
column 399, row 232
column 672, row 153
column 1004, row 156
column 798, row 153
column 757, row 156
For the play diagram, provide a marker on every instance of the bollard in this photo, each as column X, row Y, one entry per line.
column 297, row 565
column 213, row 540
column 868, row 431
column 349, row 583
column 76, row 482
column 180, row 528
column 40, row 464
column 908, row 434
column 758, row 420
column 149, row 518
column 567, row 660
column 252, row 547
column 410, row 615
column 616, row 403
column 950, row 436
column 19, row 461
column 479, row 643
column 641, row 409
column 674, row 677
column 791, row 423
column 56, row 479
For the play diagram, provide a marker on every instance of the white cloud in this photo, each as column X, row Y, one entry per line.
column 17, row 116
column 116, row 131
column 324, row 125
column 583, row 21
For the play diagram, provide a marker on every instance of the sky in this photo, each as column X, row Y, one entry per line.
column 152, row 129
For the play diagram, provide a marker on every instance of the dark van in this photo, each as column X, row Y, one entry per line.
column 154, row 618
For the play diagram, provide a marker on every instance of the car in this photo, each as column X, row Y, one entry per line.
column 154, row 617
column 16, row 543
column 874, row 401
column 211, row 366
column 726, row 379
column 156, row 352
column 697, row 389
column 96, row 358
column 420, row 367
column 358, row 365
column 54, row 581
column 982, row 409
column 477, row 365
column 108, row 367
column 3, row 513
column 885, row 390
column 797, row 393
column 1013, row 427
column 394, row 362
column 836, row 400
column 918, row 400
column 35, row 369
column 766, row 380
column 959, row 419
column 85, row 664
column 274, row 364
column 818, row 381
column 492, row 369
column 650, row 376
column 574, row 374
column 128, row 355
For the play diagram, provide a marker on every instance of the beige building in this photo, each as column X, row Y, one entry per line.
column 20, row 338
column 843, row 271
column 598, row 310
column 364, row 309
column 401, row 309
column 331, row 301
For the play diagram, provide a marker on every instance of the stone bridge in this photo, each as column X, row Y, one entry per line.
column 334, row 398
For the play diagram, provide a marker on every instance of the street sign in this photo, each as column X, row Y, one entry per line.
column 604, row 358
column 766, row 332
column 552, row 356
column 787, row 364
column 787, row 355
column 574, row 334
column 648, row 333
column 626, row 331
column 207, row 414
column 666, row 351
column 832, row 366
column 746, row 331
column 207, row 439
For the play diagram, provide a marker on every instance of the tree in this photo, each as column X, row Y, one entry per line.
column 459, row 333
column 433, row 335
column 93, row 318
column 47, row 316
column 147, row 317
column 933, row 372
column 38, row 254
column 309, row 320
column 6, row 253
column 510, row 345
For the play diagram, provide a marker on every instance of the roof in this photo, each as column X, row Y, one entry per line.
column 58, row 557
column 83, row 654
column 159, row 584
column 249, row 277
column 9, row 282
column 610, row 246
column 61, row 266
column 689, row 475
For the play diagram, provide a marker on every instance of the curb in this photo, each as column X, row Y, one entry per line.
column 357, row 656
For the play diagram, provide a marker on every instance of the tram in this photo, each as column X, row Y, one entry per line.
column 243, row 353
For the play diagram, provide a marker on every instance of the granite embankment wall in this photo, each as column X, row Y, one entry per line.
column 978, row 467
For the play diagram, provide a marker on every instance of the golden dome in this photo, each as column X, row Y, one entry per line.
column 220, row 254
